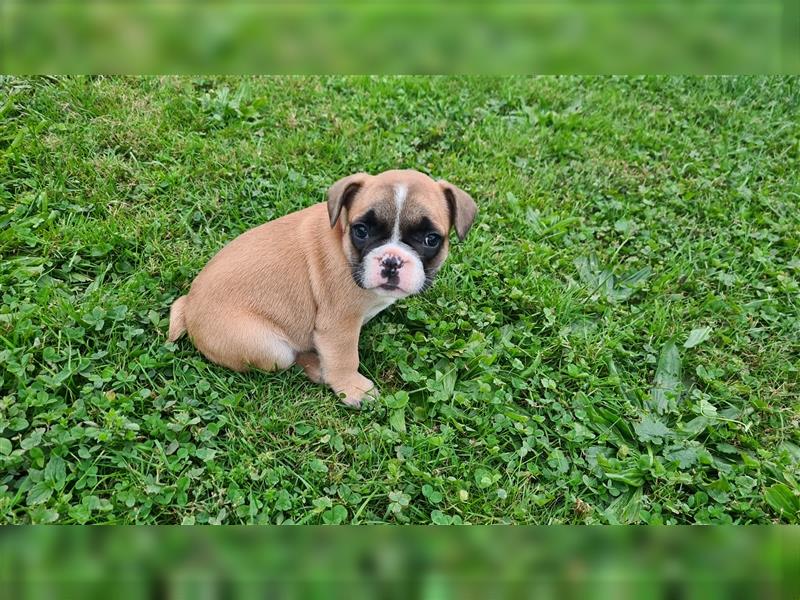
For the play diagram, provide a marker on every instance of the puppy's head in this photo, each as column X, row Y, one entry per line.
column 395, row 227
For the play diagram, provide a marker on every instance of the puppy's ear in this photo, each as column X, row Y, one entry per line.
column 462, row 208
column 342, row 192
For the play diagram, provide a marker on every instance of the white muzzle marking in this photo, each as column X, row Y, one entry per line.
column 393, row 270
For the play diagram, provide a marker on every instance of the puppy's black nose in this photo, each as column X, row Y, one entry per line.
column 389, row 266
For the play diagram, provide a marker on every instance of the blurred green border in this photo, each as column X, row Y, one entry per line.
column 368, row 36
column 464, row 562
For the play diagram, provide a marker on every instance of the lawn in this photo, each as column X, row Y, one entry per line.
column 617, row 340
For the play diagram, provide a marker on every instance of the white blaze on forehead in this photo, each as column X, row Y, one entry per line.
column 400, row 191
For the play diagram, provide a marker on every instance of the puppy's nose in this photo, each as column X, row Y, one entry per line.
column 390, row 265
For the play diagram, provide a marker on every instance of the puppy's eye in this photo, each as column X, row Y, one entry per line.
column 432, row 240
column 360, row 231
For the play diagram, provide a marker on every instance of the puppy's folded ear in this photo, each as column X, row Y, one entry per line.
column 342, row 192
column 462, row 208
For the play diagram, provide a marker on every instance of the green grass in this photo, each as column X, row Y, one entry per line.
column 617, row 341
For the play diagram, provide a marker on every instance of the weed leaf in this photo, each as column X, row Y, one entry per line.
column 39, row 493
column 667, row 382
column 783, row 500
column 398, row 420
column 652, row 430
column 697, row 337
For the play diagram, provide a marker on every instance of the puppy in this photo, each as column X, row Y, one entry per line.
column 297, row 290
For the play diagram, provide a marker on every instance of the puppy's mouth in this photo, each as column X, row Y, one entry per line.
column 358, row 277
column 391, row 290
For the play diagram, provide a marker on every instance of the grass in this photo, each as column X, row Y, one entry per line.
column 617, row 341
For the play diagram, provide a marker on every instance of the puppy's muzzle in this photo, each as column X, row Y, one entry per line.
column 395, row 269
column 390, row 267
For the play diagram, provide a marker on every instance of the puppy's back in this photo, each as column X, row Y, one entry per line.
column 262, row 273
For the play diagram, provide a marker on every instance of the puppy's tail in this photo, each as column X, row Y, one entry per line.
column 177, row 321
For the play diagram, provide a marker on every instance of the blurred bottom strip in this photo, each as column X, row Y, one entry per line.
column 353, row 562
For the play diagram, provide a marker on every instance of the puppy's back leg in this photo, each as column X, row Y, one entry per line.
column 244, row 341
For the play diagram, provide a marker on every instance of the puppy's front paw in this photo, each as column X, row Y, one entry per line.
column 356, row 389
